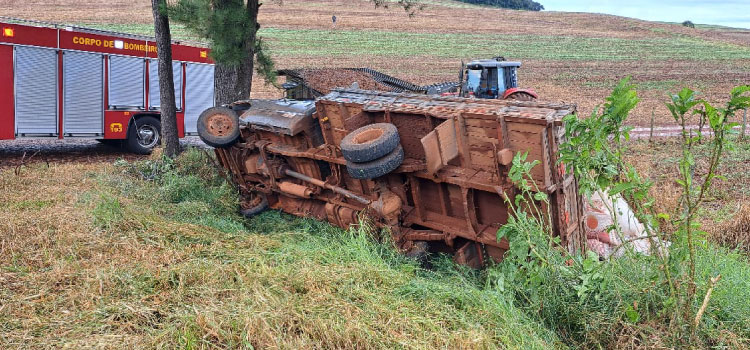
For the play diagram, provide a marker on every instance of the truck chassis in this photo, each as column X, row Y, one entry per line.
column 447, row 195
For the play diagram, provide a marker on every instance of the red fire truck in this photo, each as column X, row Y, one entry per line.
column 72, row 82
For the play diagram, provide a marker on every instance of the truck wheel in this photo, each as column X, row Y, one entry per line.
column 110, row 142
column 521, row 96
column 219, row 127
column 260, row 203
column 378, row 167
column 370, row 142
column 143, row 135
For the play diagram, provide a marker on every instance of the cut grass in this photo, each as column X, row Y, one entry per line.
column 117, row 261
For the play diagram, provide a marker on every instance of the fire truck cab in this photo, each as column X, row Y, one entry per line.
column 71, row 82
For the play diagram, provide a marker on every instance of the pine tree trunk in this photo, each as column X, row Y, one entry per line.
column 170, row 138
column 234, row 82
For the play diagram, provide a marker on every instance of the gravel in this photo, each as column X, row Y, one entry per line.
column 16, row 152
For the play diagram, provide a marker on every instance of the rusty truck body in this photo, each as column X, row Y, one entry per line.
column 440, row 187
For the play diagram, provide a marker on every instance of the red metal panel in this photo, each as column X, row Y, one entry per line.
column 180, row 124
column 103, row 43
column 116, row 124
column 28, row 35
column 146, row 84
column 190, row 54
column 184, row 74
column 106, row 86
column 7, row 112
column 60, row 99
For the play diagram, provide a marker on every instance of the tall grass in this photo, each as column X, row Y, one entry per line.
column 152, row 254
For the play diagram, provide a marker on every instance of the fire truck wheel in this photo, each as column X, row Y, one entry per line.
column 110, row 142
column 143, row 135
column 260, row 204
column 369, row 142
column 219, row 127
column 378, row 167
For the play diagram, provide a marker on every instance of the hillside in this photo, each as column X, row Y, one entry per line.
column 572, row 57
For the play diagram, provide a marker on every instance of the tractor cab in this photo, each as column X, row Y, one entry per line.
column 493, row 79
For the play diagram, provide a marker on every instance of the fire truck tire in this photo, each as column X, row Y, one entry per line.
column 110, row 142
column 143, row 135
column 257, row 208
column 370, row 142
column 378, row 167
column 219, row 127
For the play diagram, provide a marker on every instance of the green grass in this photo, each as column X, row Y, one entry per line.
column 153, row 254
column 347, row 43
column 661, row 85
column 338, row 43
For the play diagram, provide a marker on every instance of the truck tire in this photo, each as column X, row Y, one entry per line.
column 219, row 127
column 143, row 135
column 378, row 167
column 521, row 96
column 257, row 208
column 370, row 142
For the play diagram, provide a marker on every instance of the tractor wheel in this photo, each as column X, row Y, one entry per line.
column 143, row 135
column 377, row 167
column 255, row 207
column 521, row 96
column 219, row 127
column 370, row 142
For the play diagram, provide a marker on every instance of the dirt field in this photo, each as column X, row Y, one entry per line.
column 572, row 57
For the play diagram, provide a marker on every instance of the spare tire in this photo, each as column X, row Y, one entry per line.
column 219, row 127
column 378, row 167
column 370, row 142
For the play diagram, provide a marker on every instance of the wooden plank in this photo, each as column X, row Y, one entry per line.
column 431, row 147
column 525, row 137
column 463, row 144
column 475, row 138
column 481, row 123
column 525, row 127
column 447, row 140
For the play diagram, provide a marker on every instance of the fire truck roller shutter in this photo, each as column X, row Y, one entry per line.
column 36, row 90
column 126, row 82
column 153, row 84
column 199, row 93
column 83, row 94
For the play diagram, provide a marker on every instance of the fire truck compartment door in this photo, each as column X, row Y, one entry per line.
column 83, row 93
column 154, row 94
column 199, row 93
column 36, row 90
column 126, row 82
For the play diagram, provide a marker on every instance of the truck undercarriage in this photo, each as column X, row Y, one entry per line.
column 440, row 186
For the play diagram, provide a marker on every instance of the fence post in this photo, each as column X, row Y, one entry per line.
column 744, row 125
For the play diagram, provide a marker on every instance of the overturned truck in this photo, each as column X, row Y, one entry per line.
column 431, row 169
